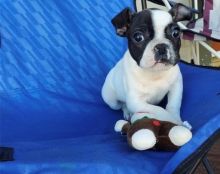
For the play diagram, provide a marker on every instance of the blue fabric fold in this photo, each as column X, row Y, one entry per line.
column 108, row 153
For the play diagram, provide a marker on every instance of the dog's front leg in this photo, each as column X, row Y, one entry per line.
column 175, row 99
column 135, row 104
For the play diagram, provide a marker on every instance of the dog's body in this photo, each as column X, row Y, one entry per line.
column 133, row 89
column 148, row 70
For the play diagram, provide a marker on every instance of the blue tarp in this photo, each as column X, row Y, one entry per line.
column 54, row 57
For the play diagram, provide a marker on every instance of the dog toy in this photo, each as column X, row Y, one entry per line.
column 145, row 133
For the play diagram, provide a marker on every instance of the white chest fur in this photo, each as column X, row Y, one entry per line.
column 128, row 80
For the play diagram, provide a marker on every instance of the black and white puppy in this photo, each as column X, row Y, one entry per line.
column 148, row 70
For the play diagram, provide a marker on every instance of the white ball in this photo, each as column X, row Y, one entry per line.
column 143, row 139
column 119, row 125
column 180, row 135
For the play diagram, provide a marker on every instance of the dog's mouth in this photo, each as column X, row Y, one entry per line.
column 165, row 63
column 168, row 62
column 161, row 65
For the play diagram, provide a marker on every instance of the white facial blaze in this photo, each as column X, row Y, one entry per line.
column 160, row 19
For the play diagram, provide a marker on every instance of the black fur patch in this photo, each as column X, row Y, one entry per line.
column 141, row 22
column 176, row 42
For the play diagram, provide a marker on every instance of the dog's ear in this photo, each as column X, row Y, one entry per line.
column 122, row 21
column 181, row 12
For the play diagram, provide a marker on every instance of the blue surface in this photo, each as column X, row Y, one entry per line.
column 53, row 61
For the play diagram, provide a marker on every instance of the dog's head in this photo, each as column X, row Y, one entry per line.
column 153, row 35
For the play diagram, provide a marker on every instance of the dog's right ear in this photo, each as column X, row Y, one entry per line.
column 180, row 12
column 122, row 21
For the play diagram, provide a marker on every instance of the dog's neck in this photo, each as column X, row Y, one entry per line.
column 132, row 67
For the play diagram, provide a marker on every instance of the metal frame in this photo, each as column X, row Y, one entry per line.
column 191, row 163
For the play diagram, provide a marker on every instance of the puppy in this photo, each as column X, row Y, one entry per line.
column 148, row 70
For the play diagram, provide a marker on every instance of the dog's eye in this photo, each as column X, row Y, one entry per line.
column 176, row 32
column 138, row 37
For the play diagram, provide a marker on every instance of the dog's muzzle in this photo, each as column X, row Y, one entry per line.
column 161, row 55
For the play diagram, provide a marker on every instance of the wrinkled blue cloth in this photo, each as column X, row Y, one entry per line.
column 54, row 57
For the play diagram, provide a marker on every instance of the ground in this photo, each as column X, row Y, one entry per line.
column 214, row 159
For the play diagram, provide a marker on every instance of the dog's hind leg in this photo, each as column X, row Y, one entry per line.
column 109, row 95
column 110, row 98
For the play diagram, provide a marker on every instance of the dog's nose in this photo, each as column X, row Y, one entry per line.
column 160, row 51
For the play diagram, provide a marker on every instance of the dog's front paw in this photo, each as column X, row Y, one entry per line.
column 178, row 120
